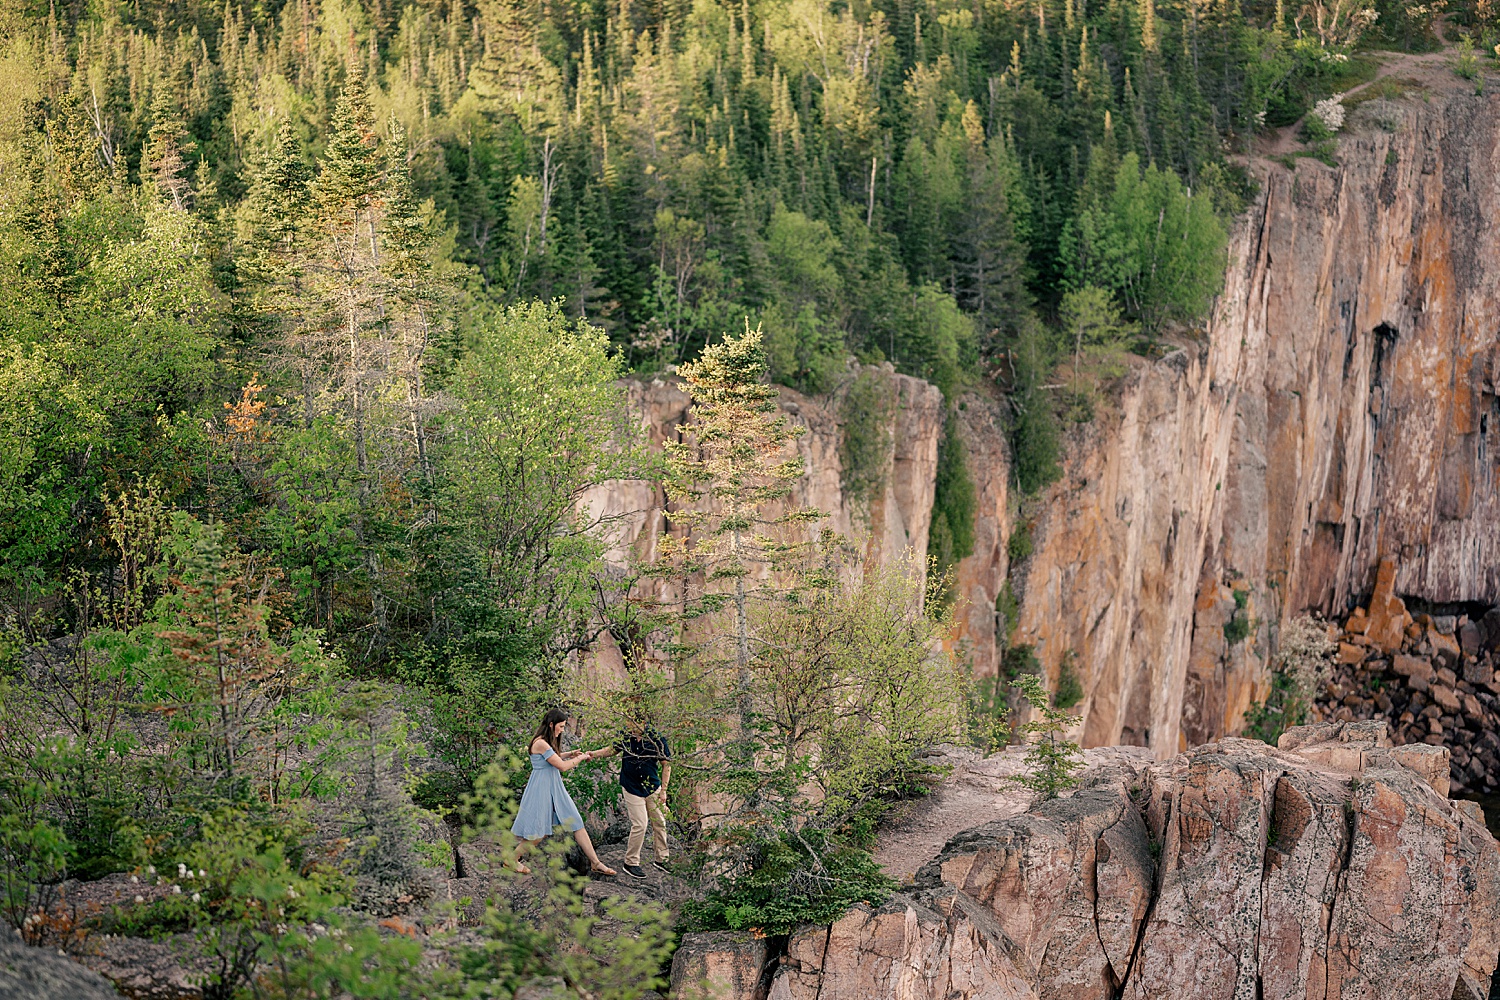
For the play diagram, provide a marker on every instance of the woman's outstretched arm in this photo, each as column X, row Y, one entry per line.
column 556, row 759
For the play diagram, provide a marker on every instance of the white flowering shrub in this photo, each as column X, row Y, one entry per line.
column 1303, row 659
column 1330, row 111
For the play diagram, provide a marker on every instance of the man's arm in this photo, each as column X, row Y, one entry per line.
column 666, row 776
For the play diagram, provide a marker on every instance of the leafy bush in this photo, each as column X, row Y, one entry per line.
column 1240, row 624
column 988, row 710
column 1035, row 444
column 33, row 861
column 265, row 913
column 1020, row 660
column 792, row 880
column 1019, row 546
column 617, row 957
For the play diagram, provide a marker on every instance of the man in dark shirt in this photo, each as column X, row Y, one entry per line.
column 641, row 750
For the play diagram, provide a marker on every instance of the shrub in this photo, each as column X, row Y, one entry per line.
column 987, row 719
column 1240, row 624
column 1467, row 64
column 1069, row 688
column 1020, row 660
column 792, row 880
column 1007, row 612
column 266, row 915
column 616, row 957
column 1302, row 661
column 1019, row 546
column 1329, row 113
column 33, row 861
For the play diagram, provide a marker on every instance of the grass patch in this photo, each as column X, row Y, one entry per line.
column 1387, row 88
column 1323, row 153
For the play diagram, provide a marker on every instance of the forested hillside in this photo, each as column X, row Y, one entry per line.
column 312, row 321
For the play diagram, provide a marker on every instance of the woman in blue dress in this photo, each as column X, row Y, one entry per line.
column 546, row 803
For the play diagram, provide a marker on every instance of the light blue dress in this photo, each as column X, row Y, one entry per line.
column 545, row 803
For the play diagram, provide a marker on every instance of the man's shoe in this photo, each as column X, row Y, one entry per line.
column 634, row 871
column 661, row 866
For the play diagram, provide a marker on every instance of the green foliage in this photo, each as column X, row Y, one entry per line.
column 1036, row 448
column 1051, row 760
column 1069, row 686
column 954, row 503
column 791, row 880
column 1007, row 611
column 1020, row 660
column 1301, row 662
column 1240, row 625
column 865, row 442
column 724, row 478
column 848, row 691
column 618, row 956
column 987, row 719
column 1019, row 546
column 1467, row 64
column 1142, row 235
column 33, row 861
column 1091, row 322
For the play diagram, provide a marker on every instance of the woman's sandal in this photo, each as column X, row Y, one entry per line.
column 519, row 868
column 601, row 870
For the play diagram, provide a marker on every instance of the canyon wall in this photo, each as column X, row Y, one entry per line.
column 1339, row 408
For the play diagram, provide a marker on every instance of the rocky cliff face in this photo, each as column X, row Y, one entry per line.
column 886, row 526
column 1333, row 867
column 1340, row 409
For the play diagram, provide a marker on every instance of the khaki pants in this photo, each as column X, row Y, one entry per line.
column 643, row 812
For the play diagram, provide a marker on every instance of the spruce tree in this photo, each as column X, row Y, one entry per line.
column 729, row 480
column 168, row 147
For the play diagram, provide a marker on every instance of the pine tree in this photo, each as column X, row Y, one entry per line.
column 988, row 260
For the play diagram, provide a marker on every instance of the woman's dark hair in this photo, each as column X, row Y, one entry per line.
column 549, row 722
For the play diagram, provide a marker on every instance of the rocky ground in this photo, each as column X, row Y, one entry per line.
column 1332, row 866
column 1431, row 678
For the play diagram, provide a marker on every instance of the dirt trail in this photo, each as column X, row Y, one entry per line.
column 1431, row 70
column 977, row 791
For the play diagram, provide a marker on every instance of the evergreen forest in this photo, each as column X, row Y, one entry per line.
column 314, row 316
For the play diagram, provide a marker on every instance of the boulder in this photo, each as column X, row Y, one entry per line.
column 1477, row 671
column 43, row 974
column 1412, row 666
column 1446, row 698
column 1387, row 615
column 1445, row 646
column 1350, row 653
column 1470, row 638
column 723, row 965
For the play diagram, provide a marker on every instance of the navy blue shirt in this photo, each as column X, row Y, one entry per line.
column 640, row 754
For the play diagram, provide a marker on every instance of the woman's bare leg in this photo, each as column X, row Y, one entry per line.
column 521, row 846
column 589, row 852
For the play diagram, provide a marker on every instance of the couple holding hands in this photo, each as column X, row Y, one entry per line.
column 546, row 803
